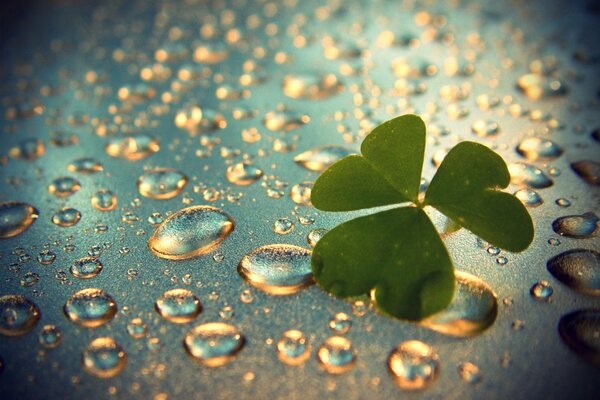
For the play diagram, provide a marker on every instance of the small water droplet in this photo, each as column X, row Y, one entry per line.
column 535, row 148
column 15, row 218
column 311, row 86
column 18, row 315
column 340, row 323
column 132, row 148
column 179, row 306
column 104, row 358
column 278, row 269
column 66, row 217
column 577, row 226
column 50, row 337
column 283, row 226
column 191, row 232
column 315, row 235
column 469, row 373
column 485, row 128
column 580, row 330
column 337, row 355
column 46, row 257
column 529, row 198
column 562, row 202
column 413, row 364
column 161, row 183
column 320, row 158
column 537, row 86
column 214, row 344
column 104, row 200
column 528, row 175
column 284, row 120
column 588, row 171
column 86, row 165
column 136, row 328
column 90, row 308
column 243, row 173
column 578, row 268
column 293, row 348
column 541, row 291
column 86, row 267
column 300, row 193
column 63, row 187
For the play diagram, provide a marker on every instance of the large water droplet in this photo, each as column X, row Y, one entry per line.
column 191, row 232
column 18, row 315
column 104, row 358
column 90, row 307
column 132, row 148
column 86, row 267
column 589, row 171
column 243, row 173
column 321, row 158
column 579, row 269
column 284, row 120
column 535, row 148
column 179, row 306
column 577, row 226
column 161, row 183
column 473, row 309
column 214, row 344
column 293, row 348
column 104, row 200
column 528, row 175
column 311, row 86
column 278, row 269
column 63, row 186
column 337, row 355
column 15, row 218
column 413, row 364
column 580, row 330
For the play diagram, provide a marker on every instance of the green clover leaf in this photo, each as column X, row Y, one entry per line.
column 397, row 253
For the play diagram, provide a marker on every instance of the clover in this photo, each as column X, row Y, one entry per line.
column 396, row 254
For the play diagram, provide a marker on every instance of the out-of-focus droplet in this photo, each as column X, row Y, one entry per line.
column 28, row 149
column 214, row 344
column 277, row 269
column 529, row 198
column 414, row 365
column 86, row 267
column 284, row 120
column 86, row 165
column 191, row 232
column 321, row 158
column 136, row 328
column 66, row 217
column 579, row 269
column 484, row 128
column 18, row 315
column 104, row 358
column 90, row 308
column 469, row 373
column 243, row 173
column 161, row 183
column 133, row 147
column 340, row 324
column 64, row 186
column 179, row 306
column 579, row 330
column 50, row 337
column 582, row 226
column 528, row 175
column 588, row 171
column 311, row 86
column 337, row 355
column 104, row 200
column 537, row 86
column 16, row 218
column 293, row 348
column 300, row 193
column 535, row 148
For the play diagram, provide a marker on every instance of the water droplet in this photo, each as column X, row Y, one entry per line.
column 132, row 148
column 29, row 279
column 15, row 218
column 104, row 358
column 580, row 331
column 529, row 198
column 469, row 373
column 413, row 364
column 191, row 232
column 589, row 171
column 63, row 187
column 315, row 235
column 278, row 269
column 86, row 267
column 50, row 337
column 46, row 257
column 577, row 226
column 472, row 310
column 340, row 323
column 321, row 158
column 66, row 217
column 136, row 328
column 284, row 120
column 243, row 173
column 283, row 226
column 541, row 291
column 536, row 86
column 90, row 308
column 179, row 306
column 300, row 193
column 211, row 53
column 161, row 183
column 311, row 86
column 562, row 202
column 528, row 175
column 86, row 165
column 18, row 315
column 578, row 268
column 293, row 348
column 28, row 149
column 337, row 355
column 535, row 148
column 104, row 200
column 214, row 344
column 483, row 128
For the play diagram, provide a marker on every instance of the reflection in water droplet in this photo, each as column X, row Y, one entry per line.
column 311, row 86
column 161, row 183
column 535, row 148
column 63, row 187
column 541, row 291
column 536, row 86
column 50, row 337
column 104, row 200
column 469, row 373
column 243, row 173
column 213, row 344
column 15, row 218
column 529, row 198
column 90, row 308
column 284, row 120
column 28, row 149
column 191, row 232
column 278, row 269
column 472, row 310
column 86, row 165
column 413, row 364
column 528, row 175
column 577, row 226
column 86, row 267
column 104, row 358
column 300, row 193
column 66, row 217
column 18, row 315
column 293, row 348
column 580, row 331
column 132, row 148
column 337, row 355
column 589, row 171
column 578, row 268
column 179, row 306
column 321, row 158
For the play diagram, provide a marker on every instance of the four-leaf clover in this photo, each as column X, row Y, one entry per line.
column 398, row 252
